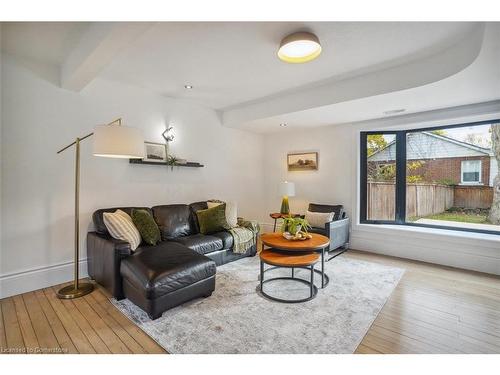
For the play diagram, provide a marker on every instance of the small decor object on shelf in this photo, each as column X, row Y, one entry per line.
column 295, row 229
column 172, row 160
column 155, row 152
column 169, row 137
column 305, row 161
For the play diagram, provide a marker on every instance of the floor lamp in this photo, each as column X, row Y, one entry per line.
column 113, row 141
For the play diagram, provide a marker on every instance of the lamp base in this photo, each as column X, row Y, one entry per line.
column 69, row 292
column 285, row 207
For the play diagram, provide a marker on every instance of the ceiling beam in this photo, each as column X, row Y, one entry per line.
column 414, row 73
column 99, row 44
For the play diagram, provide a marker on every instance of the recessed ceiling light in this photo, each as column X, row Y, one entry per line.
column 394, row 111
column 283, row 124
column 188, row 87
column 299, row 48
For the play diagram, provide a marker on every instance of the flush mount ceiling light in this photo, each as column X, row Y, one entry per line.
column 282, row 124
column 188, row 87
column 299, row 48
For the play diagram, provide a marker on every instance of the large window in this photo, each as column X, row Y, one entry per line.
column 442, row 177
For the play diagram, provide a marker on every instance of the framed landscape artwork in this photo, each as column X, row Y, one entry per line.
column 305, row 161
column 155, row 152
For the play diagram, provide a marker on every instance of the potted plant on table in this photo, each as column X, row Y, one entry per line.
column 295, row 228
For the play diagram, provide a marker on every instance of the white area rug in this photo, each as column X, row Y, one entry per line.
column 237, row 319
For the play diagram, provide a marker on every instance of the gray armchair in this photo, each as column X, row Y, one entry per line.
column 336, row 230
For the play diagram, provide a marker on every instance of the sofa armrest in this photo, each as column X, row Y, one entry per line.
column 338, row 232
column 104, row 255
column 252, row 225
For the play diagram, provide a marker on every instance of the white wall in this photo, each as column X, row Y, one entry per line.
column 38, row 185
column 330, row 184
column 1, row 89
column 336, row 183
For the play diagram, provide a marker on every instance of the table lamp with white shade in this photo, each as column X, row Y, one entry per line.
column 113, row 141
column 287, row 189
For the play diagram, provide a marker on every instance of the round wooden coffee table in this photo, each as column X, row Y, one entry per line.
column 318, row 243
column 279, row 259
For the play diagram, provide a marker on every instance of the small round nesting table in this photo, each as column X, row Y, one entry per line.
column 284, row 253
column 318, row 243
column 280, row 259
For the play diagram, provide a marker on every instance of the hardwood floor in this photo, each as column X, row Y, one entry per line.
column 90, row 324
column 434, row 309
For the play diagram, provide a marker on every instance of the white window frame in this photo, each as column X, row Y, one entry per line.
column 462, row 182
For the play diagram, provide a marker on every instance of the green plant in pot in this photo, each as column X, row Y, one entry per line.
column 172, row 161
column 294, row 225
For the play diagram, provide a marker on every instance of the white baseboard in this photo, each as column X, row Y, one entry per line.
column 43, row 277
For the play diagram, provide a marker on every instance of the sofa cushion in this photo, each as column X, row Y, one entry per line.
column 338, row 209
column 121, row 227
column 146, row 226
column 212, row 219
column 197, row 206
column 319, row 219
column 164, row 268
column 173, row 220
column 231, row 212
column 201, row 243
column 226, row 237
column 98, row 220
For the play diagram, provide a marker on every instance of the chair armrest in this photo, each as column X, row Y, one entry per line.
column 104, row 255
column 338, row 232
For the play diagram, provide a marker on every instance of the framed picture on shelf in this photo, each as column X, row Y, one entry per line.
column 304, row 161
column 155, row 152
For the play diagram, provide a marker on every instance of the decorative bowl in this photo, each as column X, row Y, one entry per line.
column 290, row 237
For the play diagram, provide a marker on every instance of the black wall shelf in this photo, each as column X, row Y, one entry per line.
column 189, row 164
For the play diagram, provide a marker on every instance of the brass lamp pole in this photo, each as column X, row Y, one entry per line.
column 120, row 142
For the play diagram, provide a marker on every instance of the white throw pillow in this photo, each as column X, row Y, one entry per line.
column 319, row 219
column 121, row 227
column 231, row 212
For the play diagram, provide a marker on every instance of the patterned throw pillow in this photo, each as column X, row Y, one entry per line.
column 318, row 219
column 147, row 226
column 121, row 227
column 212, row 219
column 231, row 212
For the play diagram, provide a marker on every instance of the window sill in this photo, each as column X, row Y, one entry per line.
column 428, row 232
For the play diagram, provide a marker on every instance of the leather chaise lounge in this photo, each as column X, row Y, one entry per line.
column 156, row 278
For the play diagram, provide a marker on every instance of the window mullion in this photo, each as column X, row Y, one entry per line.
column 401, row 177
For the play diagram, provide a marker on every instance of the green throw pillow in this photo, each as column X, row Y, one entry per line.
column 146, row 226
column 212, row 219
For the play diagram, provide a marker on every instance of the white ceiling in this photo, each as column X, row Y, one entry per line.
column 233, row 65
column 43, row 42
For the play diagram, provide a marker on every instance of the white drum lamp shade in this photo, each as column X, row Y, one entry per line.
column 287, row 189
column 116, row 141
